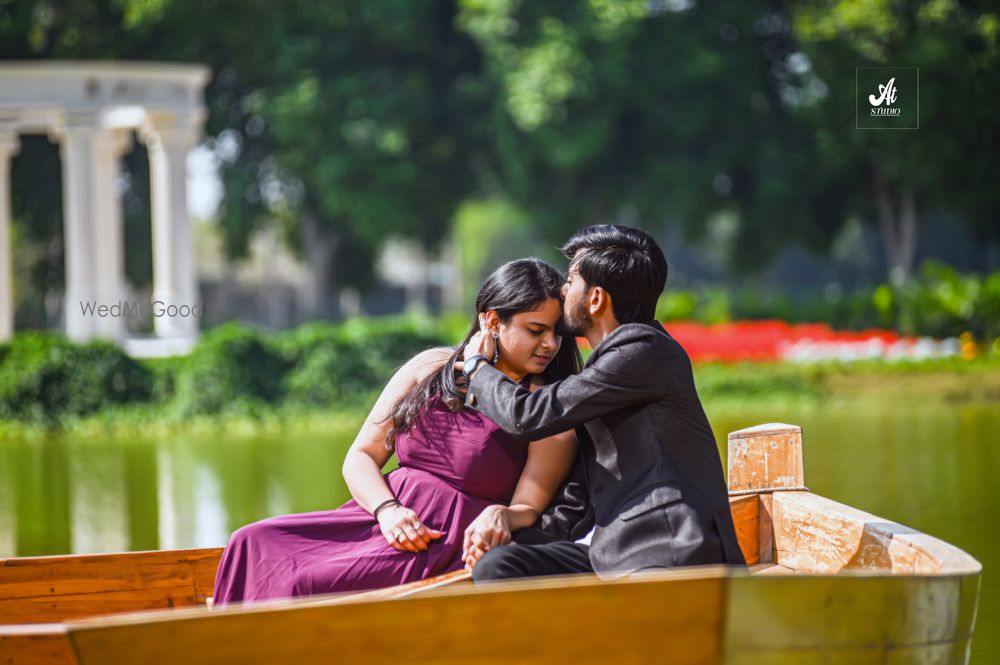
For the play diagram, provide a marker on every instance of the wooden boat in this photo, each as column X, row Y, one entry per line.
column 826, row 584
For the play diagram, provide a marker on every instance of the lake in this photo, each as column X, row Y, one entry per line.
column 930, row 467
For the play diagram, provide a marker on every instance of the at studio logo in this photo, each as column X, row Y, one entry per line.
column 888, row 98
column 887, row 95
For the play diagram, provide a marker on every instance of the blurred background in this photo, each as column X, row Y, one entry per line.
column 360, row 167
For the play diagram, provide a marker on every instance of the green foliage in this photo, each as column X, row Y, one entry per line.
column 491, row 232
column 44, row 378
column 751, row 381
column 336, row 364
column 390, row 341
column 233, row 367
column 709, row 306
column 942, row 303
column 332, row 374
column 949, row 41
column 939, row 303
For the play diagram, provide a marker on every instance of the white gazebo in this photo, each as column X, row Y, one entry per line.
column 90, row 109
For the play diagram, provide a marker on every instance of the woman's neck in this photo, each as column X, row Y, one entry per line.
column 514, row 376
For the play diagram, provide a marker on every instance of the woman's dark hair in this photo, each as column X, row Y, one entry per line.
column 515, row 287
column 626, row 262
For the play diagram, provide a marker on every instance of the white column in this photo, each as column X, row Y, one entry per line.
column 92, row 221
column 174, row 283
column 9, row 146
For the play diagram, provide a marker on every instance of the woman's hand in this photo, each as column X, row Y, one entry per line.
column 404, row 531
column 491, row 529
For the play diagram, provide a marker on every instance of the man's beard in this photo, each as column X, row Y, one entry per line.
column 575, row 319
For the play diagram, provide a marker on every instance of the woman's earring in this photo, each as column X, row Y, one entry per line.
column 496, row 347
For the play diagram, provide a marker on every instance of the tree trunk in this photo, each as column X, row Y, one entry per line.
column 907, row 231
column 319, row 243
column 899, row 231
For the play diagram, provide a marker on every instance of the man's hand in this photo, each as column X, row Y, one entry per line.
column 481, row 343
column 491, row 529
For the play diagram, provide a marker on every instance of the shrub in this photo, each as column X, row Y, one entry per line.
column 391, row 341
column 44, row 377
column 333, row 374
column 347, row 362
column 233, row 367
column 940, row 302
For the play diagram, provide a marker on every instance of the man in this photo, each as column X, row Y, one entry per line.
column 654, row 474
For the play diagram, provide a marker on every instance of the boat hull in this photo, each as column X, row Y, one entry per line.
column 708, row 616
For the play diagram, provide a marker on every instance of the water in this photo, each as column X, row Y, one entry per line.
column 929, row 467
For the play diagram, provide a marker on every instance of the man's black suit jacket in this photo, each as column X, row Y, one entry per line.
column 654, row 474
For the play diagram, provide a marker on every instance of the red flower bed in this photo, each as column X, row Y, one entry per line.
column 777, row 340
column 761, row 340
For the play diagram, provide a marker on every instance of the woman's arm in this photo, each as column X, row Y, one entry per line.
column 363, row 463
column 548, row 464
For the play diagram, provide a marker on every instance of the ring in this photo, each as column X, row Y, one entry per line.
column 416, row 525
column 399, row 535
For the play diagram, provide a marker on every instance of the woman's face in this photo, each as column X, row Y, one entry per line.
column 528, row 341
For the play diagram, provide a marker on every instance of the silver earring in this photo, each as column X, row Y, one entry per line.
column 496, row 347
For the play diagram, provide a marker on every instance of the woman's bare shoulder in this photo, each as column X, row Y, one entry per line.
column 427, row 362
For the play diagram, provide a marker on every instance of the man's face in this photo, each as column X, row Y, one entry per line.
column 576, row 315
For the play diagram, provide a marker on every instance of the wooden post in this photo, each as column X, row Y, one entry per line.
column 765, row 458
column 762, row 459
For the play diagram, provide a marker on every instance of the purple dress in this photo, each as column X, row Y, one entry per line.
column 452, row 466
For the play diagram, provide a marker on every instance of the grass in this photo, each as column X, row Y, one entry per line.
column 869, row 383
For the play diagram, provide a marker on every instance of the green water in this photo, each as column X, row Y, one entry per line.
column 930, row 467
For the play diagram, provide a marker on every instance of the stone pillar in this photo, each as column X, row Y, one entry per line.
column 9, row 146
column 169, row 140
column 92, row 220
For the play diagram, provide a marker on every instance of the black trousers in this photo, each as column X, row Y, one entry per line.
column 513, row 561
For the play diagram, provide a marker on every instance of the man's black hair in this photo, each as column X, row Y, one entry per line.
column 625, row 262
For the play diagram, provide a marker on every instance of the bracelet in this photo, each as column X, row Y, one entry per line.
column 385, row 504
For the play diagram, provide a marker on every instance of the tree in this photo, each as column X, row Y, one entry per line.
column 347, row 122
column 644, row 111
column 900, row 176
column 352, row 121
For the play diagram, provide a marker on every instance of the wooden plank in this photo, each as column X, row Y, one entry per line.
column 765, row 526
column 745, row 511
column 670, row 617
column 418, row 587
column 39, row 644
column 68, row 606
column 765, row 457
column 45, row 589
column 813, row 534
column 74, row 579
column 770, row 569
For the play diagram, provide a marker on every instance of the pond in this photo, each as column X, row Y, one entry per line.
column 929, row 467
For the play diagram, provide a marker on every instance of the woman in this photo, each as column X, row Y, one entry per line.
column 462, row 484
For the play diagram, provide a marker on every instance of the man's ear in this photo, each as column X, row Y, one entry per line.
column 600, row 301
column 493, row 321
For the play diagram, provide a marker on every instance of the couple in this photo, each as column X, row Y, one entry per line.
column 509, row 450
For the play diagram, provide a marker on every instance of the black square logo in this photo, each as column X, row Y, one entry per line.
column 888, row 97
